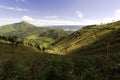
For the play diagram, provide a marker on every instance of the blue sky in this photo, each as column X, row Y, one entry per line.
column 59, row 12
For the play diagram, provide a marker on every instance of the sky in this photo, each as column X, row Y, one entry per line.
column 59, row 12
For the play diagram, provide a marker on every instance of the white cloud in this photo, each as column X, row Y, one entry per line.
column 48, row 20
column 21, row 0
column 80, row 15
column 115, row 17
column 4, row 21
column 38, row 22
column 13, row 8
column 41, row 22
column 27, row 18
column 51, row 17
column 117, row 13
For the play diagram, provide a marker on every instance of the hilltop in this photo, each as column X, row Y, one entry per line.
column 16, row 29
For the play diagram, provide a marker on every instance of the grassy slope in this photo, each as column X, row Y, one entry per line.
column 90, row 39
column 8, row 50
column 6, row 29
column 17, row 29
column 24, row 63
column 17, row 26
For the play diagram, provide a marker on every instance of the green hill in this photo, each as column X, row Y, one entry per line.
column 91, row 39
column 30, row 35
column 16, row 29
column 24, row 29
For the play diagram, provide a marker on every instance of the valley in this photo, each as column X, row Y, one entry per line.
column 31, row 53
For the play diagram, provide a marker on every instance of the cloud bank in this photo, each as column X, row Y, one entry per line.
column 21, row 0
column 115, row 17
column 27, row 18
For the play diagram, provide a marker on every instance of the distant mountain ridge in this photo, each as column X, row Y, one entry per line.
column 67, row 27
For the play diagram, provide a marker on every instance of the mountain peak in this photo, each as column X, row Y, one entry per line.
column 23, row 26
column 20, row 27
column 26, row 23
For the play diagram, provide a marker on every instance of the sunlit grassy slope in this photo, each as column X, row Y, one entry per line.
column 35, row 39
column 90, row 40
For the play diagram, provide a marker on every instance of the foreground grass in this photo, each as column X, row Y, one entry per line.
column 24, row 63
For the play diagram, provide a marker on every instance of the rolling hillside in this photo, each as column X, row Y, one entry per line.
column 91, row 39
column 92, row 53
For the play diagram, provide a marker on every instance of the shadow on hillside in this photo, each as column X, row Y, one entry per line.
column 108, row 43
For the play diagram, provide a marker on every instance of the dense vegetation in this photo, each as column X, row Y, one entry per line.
column 91, row 53
column 24, row 63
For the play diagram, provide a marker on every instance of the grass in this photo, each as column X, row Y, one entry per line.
column 43, row 41
column 24, row 63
